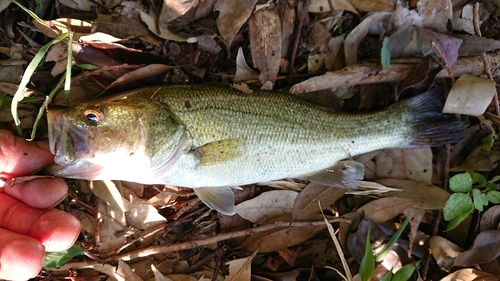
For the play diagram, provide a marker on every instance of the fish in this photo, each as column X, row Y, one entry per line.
column 213, row 138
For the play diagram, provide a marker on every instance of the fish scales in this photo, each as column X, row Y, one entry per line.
column 215, row 136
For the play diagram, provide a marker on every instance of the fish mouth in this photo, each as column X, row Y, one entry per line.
column 66, row 141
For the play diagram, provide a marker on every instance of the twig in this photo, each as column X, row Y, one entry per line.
column 445, row 62
column 302, row 6
column 477, row 30
column 214, row 239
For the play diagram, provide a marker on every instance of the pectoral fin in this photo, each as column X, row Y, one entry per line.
column 220, row 151
column 345, row 173
column 220, row 199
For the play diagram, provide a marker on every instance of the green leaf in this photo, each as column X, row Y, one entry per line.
column 457, row 205
column 387, row 248
column 480, row 179
column 458, row 220
column 461, row 182
column 478, row 199
column 385, row 54
column 405, row 272
column 19, row 95
column 387, row 276
column 494, row 179
column 493, row 196
column 367, row 265
column 57, row 259
column 491, row 186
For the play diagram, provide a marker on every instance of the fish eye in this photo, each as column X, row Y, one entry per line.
column 93, row 116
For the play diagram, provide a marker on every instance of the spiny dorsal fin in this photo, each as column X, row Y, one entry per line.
column 344, row 173
column 220, row 151
column 220, row 199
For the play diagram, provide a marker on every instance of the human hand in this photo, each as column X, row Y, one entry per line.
column 29, row 225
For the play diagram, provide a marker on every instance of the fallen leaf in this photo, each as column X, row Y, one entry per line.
column 468, row 274
column 280, row 238
column 358, row 34
column 233, row 14
column 265, row 44
column 448, row 45
column 147, row 71
column 372, row 5
column 108, row 193
column 243, row 71
column 268, row 205
column 306, row 203
column 384, row 209
column 173, row 9
column 414, row 164
column 490, row 220
column 470, row 95
column 434, row 197
column 486, row 248
column 444, row 251
column 240, row 269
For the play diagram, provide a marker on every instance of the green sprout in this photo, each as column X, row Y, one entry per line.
column 471, row 192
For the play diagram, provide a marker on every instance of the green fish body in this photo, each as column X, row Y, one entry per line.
column 212, row 138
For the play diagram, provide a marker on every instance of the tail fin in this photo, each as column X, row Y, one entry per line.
column 431, row 127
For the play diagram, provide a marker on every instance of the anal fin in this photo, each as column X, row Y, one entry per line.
column 220, row 199
column 344, row 173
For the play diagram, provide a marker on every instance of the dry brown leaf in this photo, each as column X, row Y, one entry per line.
column 233, row 14
column 321, row 6
column 243, row 71
column 372, row 5
column 490, row 220
column 240, row 269
column 469, row 274
column 358, row 34
column 265, row 44
column 279, row 238
column 109, row 194
column 431, row 14
column 269, row 205
column 384, row 209
column 444, row 251
column 306, row 203
column 173, row 9
column 147, row 71
column 434, row 197
column 470, row 95
column 485, row 249
column 414, row 164
column 287, row 12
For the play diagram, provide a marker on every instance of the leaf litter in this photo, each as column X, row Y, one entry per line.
column 161, row 232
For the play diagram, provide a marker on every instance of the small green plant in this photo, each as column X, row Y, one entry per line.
column 471, row 191
column 367, row 266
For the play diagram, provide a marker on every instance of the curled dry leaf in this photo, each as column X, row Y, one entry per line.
column 490, row 220
column 240, row 269
column 433, row 197
column 485, row 249
column 469, row 274
column 109, row 194
column 444, row 251
column 147, row 71
column 358, row 34
column 243, row 71
column 268, row 205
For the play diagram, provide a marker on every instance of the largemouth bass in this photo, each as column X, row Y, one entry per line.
column 212, row 138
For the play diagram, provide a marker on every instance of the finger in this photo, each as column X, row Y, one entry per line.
column 39, row 193
column 19, row 157
column 21, row 257
column 55, row 229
